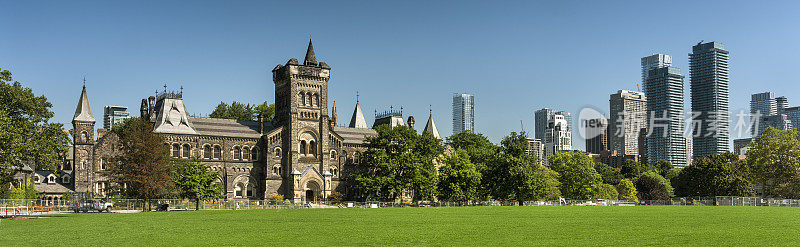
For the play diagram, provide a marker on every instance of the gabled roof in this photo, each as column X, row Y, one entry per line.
column 431, row 127
column 354, row 135
column 83, row 112
column 357, row 121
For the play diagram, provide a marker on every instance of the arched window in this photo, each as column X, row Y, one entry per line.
column 254, row 154
column 84, row 136
column 186, row 151
column 176, row 150
column 245, row 153
column 237, row 153
column 249, row 190
column 102, row 164
column 302, row 99
column 207, row 152
column 333, row 154
column 308, row 99
column 303, row 147
column 237, row 191
column 217, row 152
column 275, row 169
column 356, row 157
column 277, row 152
column 316, row 99
column 312, row 148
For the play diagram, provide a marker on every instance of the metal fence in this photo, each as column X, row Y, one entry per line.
column 9, row 208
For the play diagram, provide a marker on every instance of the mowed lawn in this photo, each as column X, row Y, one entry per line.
column 564, row 225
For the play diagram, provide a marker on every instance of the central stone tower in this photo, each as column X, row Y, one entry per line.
column 301, row 111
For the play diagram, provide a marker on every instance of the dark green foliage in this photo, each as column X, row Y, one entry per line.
column 143, row 164
column 243, row 112
column 607, row 191
column 26, row 135
column 459, row 179
column 715, row 175
column 518, row 176
column 576, row 174
column 609, row 174
column 398, row 161
column 662, row 167
column 195, row 181
column 651, row 186
column 480, row 152
column 631, row 169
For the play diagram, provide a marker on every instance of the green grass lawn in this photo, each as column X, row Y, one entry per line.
column 565, row 225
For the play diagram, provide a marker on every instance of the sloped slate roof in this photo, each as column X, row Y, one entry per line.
column 83, row 112
column 357, row 121
column 354, row 135
column 431, row 127
column 228, row 127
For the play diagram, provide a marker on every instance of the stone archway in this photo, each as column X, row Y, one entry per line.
column 312, row 191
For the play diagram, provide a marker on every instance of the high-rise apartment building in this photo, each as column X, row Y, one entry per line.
column 763, row 104
column 558, row 136
column 628, row 117
column 782, row 103
column 596, row 134
column 536, row 149
column 540, row 119
column 463, row 112
column 653, row 62
column 113, row 115
column 665, row 140
column 708, row 69
column 768, row 111
column 793, row 113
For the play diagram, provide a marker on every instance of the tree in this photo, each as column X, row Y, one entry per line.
column 714, row 175
column 607, row 191
column 243, row 112
column 662, row 167
column 26, row 191
column 26, row 135
column 627, row 191
column 459, row 179
column 652, row 186
column 774, row 160
column 397, row 162
column 518, row 176
column 480, row 152
column 631, row 169
column 196, row 182
column 576, row 173
column 143, row 169
column 609, row 174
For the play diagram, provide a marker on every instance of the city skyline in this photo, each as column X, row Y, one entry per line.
column 117, row 54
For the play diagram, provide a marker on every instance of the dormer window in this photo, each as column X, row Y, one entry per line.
column 51, row 179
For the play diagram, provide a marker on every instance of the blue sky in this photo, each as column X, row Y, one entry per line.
column 516, row 57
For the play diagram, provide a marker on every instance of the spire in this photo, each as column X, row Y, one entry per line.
column 334, row 117
column 357, row 121
column 431, row 127
column 311, row 59
column 83, row 112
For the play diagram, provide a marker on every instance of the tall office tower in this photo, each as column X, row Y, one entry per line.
column 653, row 62
column 558, row 136
column 628, row 117
column 536, row 149
column 540, row 118
column 793, row 113
column 112, row 115
column 688, row 150
column 708, row 68
column 463, row 112
column 761, row 105
column 596, row 135
column 781, row 103
column 567, row 117
column 778, row 121
column 665, row 113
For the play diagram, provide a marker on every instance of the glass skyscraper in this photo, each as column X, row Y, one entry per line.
column 708, row 68
column 653, row 62
column 463, row 112
column 665, row 116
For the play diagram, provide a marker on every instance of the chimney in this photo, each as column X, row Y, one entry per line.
column 261, row 123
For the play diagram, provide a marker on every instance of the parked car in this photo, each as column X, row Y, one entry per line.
column 91, row 205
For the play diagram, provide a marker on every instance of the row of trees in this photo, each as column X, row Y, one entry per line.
column 401, row 164
column 244, row 112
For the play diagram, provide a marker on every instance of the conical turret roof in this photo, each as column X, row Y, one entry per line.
column 357, row 121
column 311, row 59
column 83, row 112
column 431, row 127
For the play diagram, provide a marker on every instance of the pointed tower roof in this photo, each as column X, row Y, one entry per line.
column 357, row 121
column 83, row 112
column 431, row 127
column 311, row 59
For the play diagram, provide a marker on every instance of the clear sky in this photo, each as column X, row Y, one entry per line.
column 516, row 57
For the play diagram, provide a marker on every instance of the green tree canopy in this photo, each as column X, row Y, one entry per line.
column 196, row 182
column 714, row 175
column 480, row 152
column 774, row 159
column 651, row 186
column 627, row 191
column 398, row 161
column 576, row 173
column 607, row 191
column 243, row 112
column 518, row 176
column 631, row 169
column 609, row 174
column 459, row 179
column 26, row 135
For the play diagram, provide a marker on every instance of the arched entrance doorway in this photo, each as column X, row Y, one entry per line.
column 312, row 191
